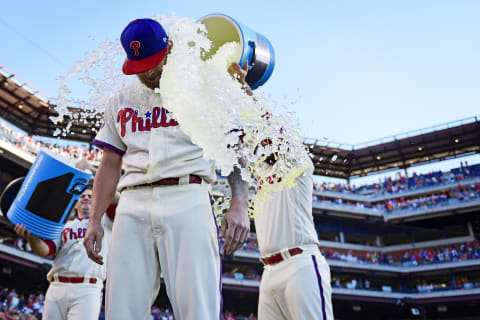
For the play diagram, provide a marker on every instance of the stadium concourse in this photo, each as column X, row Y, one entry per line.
column 403, row 248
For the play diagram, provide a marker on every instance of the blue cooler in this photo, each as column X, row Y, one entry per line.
column 47, row 195
column 256, row 49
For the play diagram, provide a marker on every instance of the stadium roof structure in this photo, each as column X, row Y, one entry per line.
column 441, row 142
column 26, row 107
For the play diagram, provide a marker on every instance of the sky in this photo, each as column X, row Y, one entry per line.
column 351, row 71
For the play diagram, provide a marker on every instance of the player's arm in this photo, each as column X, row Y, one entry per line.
column 104, row 187
column 236, row 224
column 38, row 246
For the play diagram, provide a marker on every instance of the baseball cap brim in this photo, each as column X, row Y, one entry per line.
column 138, row 66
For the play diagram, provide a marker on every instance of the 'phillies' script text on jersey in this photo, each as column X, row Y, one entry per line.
column 69, row 234
column 159, row 117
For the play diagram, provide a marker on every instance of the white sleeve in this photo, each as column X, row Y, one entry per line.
column 107, row 136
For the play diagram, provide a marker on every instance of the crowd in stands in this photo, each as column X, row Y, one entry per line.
column 33, row 146
column 251, row 245
column 230, row 315
column 407, row 258
column 166, row 314
column 352, row 284
column 16, row 242
column 422, row 256
column 29, row 306
column 460, row 193
column 350, row 256
column 241, row 272
column 401, row 183
column 162, row 314
column 157, row 313
column 461, row 252
column 20, row 306
column 460, row 283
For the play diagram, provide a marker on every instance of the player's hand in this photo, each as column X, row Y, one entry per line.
column 22, row 231
column 93, row 242
column 239, row 73
column 235, row 226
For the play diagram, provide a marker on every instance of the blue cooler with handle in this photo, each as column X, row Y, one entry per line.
column 255, row 48
column 47, row 195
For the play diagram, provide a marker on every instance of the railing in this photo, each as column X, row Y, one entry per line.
column 470, row 289
column 324, row 205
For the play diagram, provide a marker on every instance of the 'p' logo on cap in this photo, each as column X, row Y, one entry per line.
column 145, row 42
column 135, row 45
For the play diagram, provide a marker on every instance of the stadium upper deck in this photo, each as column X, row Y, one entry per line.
column 441, row 142
column 22, row 104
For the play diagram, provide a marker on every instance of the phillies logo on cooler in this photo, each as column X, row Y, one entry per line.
column 135, row 45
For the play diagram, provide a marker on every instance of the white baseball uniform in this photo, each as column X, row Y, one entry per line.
column 82, row 299
column 299, row 286
column 170, row 228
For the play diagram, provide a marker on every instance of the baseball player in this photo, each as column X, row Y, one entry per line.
column 165, row 223
column 76, row 282
column 296, row 278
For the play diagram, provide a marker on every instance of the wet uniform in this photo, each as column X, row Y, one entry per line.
column 296, row 278
column 169, row 227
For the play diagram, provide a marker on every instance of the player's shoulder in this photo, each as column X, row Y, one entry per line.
column 305, row 177
column 133, row 93
column 305, row 167
column 310, row 169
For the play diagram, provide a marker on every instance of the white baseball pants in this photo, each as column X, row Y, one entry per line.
column 297, row 288
column 168, row 229
column 73, row 301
